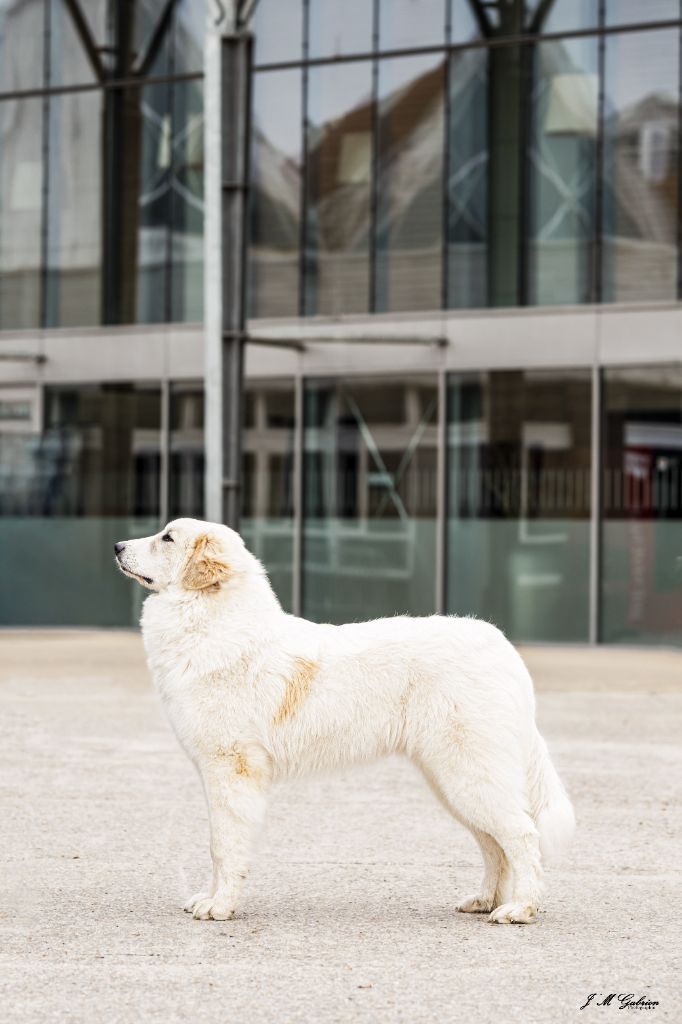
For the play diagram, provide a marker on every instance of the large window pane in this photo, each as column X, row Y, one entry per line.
column 567, row 15
column 22, row 39
column 21, row 182
column 187, row 206
column 562, row 171
column 276, row 194
column 622, row 12
column 278, row 28
column 369, row 498
column 186, row 497
column 640, row 166
column 338, row 181
column 336, row 29
column 74, row 211
column 66, row 495
column 642, row 503
column 410, row 185
column 69, row 63
column 102, row 446
column 267, row 488
column 519, row 501
column 467, row 191
column 189, row 34
column 405, row 24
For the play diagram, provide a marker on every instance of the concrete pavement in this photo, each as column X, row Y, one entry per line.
column 349, row 909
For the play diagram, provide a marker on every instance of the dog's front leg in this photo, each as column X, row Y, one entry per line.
column 236, row 796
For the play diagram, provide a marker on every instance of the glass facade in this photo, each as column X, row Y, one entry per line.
column 518, row 540
column 485, row 155
column 369, row 500
column 101, row 184
column 642, row 505
column 529, row 156
column 407, row 157
column 67, row 493
column 484, row 505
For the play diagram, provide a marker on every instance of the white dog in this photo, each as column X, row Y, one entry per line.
column 255, row 695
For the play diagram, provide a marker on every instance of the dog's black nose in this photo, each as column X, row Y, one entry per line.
column 118, row 548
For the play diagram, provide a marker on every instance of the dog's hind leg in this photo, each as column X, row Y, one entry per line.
column 496, row 809
column 495, row 885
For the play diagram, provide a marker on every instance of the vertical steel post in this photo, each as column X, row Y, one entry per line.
column 595, row 507
column 227, row 104
column 442, row 494
column 298, row 510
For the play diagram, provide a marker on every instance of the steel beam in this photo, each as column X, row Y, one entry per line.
column 227, row 103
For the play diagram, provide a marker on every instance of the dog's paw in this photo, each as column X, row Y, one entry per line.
column 475, row 905
column 194, row 900
column 515, row 913
column 213, row 908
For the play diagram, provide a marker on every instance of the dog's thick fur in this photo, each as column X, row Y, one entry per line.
column 255, row 695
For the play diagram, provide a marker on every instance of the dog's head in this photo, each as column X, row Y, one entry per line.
column 188, row 554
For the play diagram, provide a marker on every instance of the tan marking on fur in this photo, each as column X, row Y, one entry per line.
column 458, row 732
column 297, row 688
column 239, row 762
column 205, row 568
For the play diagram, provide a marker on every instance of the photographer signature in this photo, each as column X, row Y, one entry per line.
column 623, row 1000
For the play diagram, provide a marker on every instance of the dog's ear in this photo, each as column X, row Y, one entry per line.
column 206, row 566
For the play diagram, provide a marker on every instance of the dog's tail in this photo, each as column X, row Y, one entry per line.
column 550, row 805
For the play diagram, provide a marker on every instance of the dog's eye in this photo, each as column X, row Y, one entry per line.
column 167, row 536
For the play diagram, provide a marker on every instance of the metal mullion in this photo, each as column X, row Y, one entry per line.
column 679, row 169
column 112, row 83
column 297, row 547
column 445, row 212
column 45, row 156
column 171, row 107
column 303, row 226
column 374, row 168
column 595, row 507
column 488, row 43
column 164, row 472
column 597, row 284
column 442, row 494
column 527, row 56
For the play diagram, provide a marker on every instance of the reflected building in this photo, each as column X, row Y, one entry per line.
column 464, row 220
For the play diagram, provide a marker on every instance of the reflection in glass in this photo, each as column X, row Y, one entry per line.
column 562, row 171
column 189, row 34
column 467, row 191
column 568, row 15
column 69, row 63
column 21, row 45
column 21, row 177
column 66, row 495
column 186, row 483
column 519, row 501
column 276, row 194
column 335, row 28
column 187, row 203
column 622, row 12
column 642, row 506
column 641, row 140
column 338, row 182
column 410, row 184
column 101, row 450
column 406, row 24
column 74, row 211
column 369, row 498
column 267, row 524
column 278, row 29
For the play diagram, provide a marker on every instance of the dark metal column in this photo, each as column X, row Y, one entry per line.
column 226, row 312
